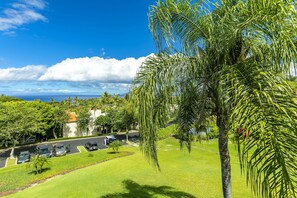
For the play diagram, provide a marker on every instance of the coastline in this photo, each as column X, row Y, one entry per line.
column 57, row 98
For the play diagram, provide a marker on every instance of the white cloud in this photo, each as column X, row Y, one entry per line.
column 30, row 72
column 21, row 12
column 40, row 4
column 94, row 69
column 82, row 76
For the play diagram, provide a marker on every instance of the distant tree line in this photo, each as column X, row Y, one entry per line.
column 21, row 120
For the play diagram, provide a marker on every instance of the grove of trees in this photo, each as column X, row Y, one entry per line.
column 21, row 120
column 18, row 119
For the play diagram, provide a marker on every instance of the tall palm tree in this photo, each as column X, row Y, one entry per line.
column 226, row 59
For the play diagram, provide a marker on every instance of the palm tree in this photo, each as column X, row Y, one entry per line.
column 226, row 59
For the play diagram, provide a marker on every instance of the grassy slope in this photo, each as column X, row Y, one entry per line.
column 18, row 176
column 11, row 162
column 183, row 175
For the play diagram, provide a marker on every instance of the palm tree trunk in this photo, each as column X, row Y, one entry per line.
column 224, row 156
column 54, row 132
column 12, row 151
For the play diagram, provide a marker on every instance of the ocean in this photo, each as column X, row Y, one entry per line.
column 57, row 98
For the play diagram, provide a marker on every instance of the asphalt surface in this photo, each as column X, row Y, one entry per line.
column 4, row 154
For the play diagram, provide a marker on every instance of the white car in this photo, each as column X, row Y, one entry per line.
column 109, row 139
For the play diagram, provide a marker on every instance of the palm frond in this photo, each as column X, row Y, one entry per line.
column 263, row 106
column 179, row 22
column 161, row 79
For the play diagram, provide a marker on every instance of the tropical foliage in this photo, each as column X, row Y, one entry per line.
column 60, row 118
column 166, row 132
column 18, row 119
column 4, row 98
column 115, row 145
column 226, row 59
column 83, row 119
column 38, row 162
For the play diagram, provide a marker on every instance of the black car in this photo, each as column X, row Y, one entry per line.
column 109, row 139
column 91, row 145
column 24, row 156
column 44, row 150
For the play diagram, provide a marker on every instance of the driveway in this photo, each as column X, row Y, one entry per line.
column 4, row 154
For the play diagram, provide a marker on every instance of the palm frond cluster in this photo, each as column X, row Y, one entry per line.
column 226, row 59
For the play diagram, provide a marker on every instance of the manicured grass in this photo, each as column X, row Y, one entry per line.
column 182, row 175
column 11, row 162
column 20, row 176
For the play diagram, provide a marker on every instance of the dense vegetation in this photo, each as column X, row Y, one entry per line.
column 22, row 120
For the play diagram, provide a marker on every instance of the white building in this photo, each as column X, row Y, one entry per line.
column 71, row 130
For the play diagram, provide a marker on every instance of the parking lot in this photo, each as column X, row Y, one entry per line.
column 4, row 154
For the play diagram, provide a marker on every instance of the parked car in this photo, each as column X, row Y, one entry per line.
column 91, row 145
column 44, row 150
column 23, row 157
column 109, row 139
column 60, row 150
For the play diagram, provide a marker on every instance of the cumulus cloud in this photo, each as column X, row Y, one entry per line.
column 93, row 75
column 94, row 69
column 21, row 12
column 30, row 72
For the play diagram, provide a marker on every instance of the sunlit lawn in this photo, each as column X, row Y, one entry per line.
column 11, row 162
column 183, row 175
column 19, row 176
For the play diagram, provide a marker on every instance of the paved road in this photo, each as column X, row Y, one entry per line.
column 3, row 157
column 4, row 154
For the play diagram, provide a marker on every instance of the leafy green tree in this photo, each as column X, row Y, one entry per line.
column 45, row 117
column 120, row 117
column 107, row 99
column 228, row 61
column 115, row 145
column 60, row 118
column 4, row 98
column 116, row 119
column 38, row 162
column 18, row 119
column 83, row 119
column 104, row 122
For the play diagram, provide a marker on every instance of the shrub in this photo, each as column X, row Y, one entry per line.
column 115, row 145
column 214, row 132
column 38, row 163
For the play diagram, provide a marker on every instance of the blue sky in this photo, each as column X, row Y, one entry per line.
column 72, row 46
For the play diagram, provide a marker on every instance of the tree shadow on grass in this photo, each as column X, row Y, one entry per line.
column 112, row 152
column 33, row 172
column 147, row 191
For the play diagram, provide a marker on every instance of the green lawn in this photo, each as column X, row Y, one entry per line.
column 11, row 162
column 20, row 176
column 183, row 175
